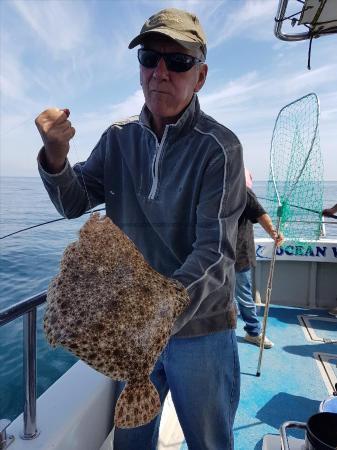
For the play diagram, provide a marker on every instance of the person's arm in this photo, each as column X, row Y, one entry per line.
column 72, row 190
column 255, row 212
column 328, row 212
column 267, row 224
column 75, row 190
column 211, row 263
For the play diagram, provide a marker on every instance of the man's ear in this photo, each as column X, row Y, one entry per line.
column 202, row 75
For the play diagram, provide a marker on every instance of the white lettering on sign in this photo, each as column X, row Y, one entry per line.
column 319, row 251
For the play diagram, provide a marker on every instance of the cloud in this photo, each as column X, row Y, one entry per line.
column 256, row 88
column 90, row 125
column 65, row 58
column 12, row 81
column 53, row 22
column 85, row 64
column 16, row 82
column 101, row 119
column 253, row 20
column 204, row 10
column 46, row 56
column 249, row 106
column 311, row 79
column 233, row 92
column 18, row 107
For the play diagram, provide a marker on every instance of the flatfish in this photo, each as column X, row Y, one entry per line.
column 112, row 310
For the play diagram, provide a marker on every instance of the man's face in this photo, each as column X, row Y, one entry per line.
column 167, row 93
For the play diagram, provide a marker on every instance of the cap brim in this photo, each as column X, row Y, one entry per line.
column 170, row 34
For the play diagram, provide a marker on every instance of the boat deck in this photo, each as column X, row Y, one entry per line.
column 296, row 375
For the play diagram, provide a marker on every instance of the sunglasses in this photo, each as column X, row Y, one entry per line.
column 175, row 62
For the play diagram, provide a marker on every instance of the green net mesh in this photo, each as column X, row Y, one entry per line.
column 295, row 185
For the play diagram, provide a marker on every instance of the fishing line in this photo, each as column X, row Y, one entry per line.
column 103, row 209
column 23, row 122
column 46, row 223
column 67, row 112
column 84, row 185
column 83, row 180
column 15, row 127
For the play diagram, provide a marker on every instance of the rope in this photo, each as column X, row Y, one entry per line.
column 293, row 15
column 309, row 52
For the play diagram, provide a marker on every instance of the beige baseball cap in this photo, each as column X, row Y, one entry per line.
column 181, row 26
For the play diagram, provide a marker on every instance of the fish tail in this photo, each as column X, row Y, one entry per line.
column 137, row 405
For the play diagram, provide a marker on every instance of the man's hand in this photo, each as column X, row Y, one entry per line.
column 278, row 238
column 56, row 131
column 266, row 222
column 330, row 212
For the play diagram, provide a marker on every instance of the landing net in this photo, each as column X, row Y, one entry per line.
column 295, row 185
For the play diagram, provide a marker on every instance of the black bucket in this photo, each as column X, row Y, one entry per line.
column 322, row 432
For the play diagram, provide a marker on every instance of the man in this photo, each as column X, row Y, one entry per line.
column 172, row 179
column 245, row 260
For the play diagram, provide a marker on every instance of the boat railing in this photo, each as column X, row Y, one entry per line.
column 27, row 309
column 279, row 19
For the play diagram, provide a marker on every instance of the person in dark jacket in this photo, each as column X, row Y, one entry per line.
column 173, row 180
column 246, row 260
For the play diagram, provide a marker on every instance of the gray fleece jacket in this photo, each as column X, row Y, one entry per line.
column 179, row 200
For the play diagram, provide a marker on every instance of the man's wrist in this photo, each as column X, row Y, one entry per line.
column 55, row 167
column 51, row 165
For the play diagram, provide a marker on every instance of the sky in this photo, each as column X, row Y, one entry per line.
column 74, row 54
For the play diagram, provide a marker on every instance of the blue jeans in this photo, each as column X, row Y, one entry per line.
column 245, row 302
column 203, row 375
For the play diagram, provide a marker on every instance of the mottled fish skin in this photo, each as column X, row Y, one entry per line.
column 113, row 311
column 138, row 404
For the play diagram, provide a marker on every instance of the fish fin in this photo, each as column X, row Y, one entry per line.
column 137, row 405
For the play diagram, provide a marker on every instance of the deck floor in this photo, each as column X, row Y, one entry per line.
column 291, row 385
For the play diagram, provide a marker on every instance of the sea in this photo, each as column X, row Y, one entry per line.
column 28, row 262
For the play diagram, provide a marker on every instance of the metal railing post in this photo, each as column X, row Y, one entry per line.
column 29, row 375
column 27, row 309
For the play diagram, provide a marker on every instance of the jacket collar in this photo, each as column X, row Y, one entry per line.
column 183, row 125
